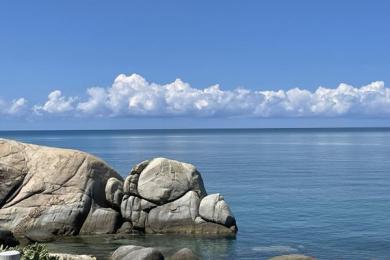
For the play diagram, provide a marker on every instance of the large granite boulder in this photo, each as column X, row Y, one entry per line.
column 48, row 188
column 165, row 180
column 164, row 196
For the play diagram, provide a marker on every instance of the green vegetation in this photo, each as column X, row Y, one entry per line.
column 31, row 252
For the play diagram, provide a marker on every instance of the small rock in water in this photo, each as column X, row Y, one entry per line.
column 292, row 257
column 137, row 252
column 184, row 254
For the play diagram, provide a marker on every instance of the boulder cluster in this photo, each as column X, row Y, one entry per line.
column 69, row 192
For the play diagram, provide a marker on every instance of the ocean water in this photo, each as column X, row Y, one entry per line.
column 320, row 192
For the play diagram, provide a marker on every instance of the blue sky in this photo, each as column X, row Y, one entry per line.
column 129, row 55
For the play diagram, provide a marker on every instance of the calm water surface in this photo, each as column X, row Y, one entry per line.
column 321, row 192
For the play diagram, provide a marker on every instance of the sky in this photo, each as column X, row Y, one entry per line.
column 193, row 64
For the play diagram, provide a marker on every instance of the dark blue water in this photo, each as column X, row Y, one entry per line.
column 321, row 192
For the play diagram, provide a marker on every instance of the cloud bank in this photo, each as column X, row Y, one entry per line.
column 134, row 96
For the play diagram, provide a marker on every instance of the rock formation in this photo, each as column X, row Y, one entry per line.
column 68, row 192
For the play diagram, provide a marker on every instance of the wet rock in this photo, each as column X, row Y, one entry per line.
column 292, row 257
column 136, row 253
column 184, row 254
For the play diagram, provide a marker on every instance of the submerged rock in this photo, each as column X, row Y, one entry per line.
column 184, row 254
column 292, row 257
column 137, row 253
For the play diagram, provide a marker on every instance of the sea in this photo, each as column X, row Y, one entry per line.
column 319, row 192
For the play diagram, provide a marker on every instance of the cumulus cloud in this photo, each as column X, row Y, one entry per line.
column 14, row 108
column 56, row 104
column 134, row 96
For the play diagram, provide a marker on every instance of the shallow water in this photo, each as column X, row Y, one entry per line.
column 321, row 192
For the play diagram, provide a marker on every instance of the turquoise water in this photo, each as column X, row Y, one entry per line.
column 321, row 192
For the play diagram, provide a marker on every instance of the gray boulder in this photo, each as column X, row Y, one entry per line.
column 136, row 253
column 39, row 235
column 48, row 188
column 175, row 217
column 135, row 210
column 7, row 238
column 184, row 254
column 164, row 180
column 101, row 221
column 114, row 192
column 214, row 208
column 131, row 182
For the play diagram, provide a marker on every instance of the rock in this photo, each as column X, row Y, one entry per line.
column 214, row 208
column 184, row 254
column 175, row 217
column 164, row 180
column 292, row 257
column 39, row 235
column 50, row 189
column 114, row 192
column 126, row 228
column 60, row 256
column 135, row 210
column 7, row 238
column 101, row 221
column 131, row 182
column 136, row 253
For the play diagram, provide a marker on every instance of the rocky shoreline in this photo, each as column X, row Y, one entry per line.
column 68, row 192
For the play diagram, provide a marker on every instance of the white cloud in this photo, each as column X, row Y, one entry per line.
column 15, row 108
column 56, row 104
column 134, row 96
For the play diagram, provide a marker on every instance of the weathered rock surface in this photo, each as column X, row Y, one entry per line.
column 135, row 210
column 72, row 257
column 101, row 221
column 184, row 254
column 49, row 188
column 175, row 217
column 292, row 257
column 214, row 208
column 165, row 180
column 114, row 192
column 39, row 235
column 7, row 238
column 67, row 192
column 136, row 253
